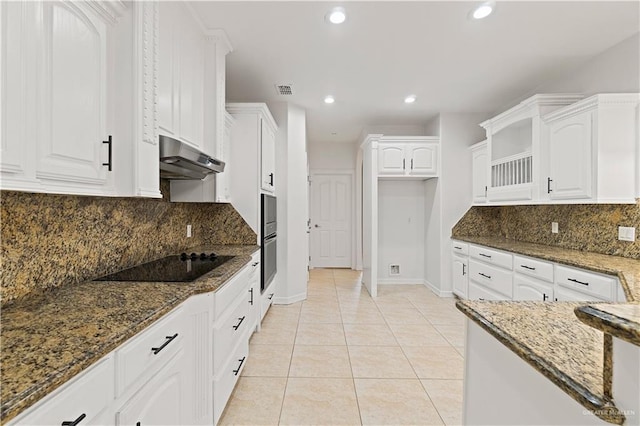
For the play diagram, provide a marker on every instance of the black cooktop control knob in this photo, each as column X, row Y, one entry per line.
column 183, row 256
column 213, row 256
column 193, row 256
column 203, row 256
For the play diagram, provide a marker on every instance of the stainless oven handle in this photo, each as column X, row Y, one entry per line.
column 270, row 238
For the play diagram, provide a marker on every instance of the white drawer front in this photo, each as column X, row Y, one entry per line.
column 491, row 256
column 599, row 285
column 224, row 384
column 149, row 350
column 267, row 299
column 229, row 292
column 480, row 292
column 228, row 331
column 533, row 267
column 459, row 247
column 562, row 294
column 496, row 279
column 88, row 394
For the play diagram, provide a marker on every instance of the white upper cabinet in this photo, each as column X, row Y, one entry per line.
column 515, row 148
column 268, row 157
column 408, row 156
column 593, row 150
column 181, row 75
column 80, row 80
column 479, row 171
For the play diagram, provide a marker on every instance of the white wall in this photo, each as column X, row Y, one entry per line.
column 291, row 190
column 394, row 130
column 617, row 69
column 323, row 155
column 401, row 222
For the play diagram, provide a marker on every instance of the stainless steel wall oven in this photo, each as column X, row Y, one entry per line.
column 268, row 233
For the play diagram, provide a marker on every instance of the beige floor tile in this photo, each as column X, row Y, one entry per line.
column 435, row 362
column 268, row 361
column 320, row 334
column 369, row 334
column 323, row 312
column 453, row 333
column 380, row 362
column 362, row 315
column 255, row 401
column 395, row 402
column 447, row 397
column 320, row 361
column 275, row 334
column 417, row 335
column 443, row 316
column 320, row 401
column 403, row 316
column 390, row 305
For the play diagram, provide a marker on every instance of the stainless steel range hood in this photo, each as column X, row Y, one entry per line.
column 180, row 161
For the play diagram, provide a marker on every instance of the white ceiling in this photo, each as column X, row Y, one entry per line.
column 387, row 50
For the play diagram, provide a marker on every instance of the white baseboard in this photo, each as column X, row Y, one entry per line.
column 289, row 300
column 397, row 281
column 437, row 291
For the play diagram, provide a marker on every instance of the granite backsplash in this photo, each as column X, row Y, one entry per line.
column 588, row 227
column 50, row 240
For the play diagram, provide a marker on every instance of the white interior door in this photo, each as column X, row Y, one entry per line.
column 331, row 199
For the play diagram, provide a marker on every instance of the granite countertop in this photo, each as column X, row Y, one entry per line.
column 48, row 338
column 548, row 336
column 574, row 355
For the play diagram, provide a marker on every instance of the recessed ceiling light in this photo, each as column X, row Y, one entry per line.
column 329, row 100
column 410, row 99
column 483, row 10
column 337, row 15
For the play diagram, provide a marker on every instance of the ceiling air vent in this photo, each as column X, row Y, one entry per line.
column 284, row 89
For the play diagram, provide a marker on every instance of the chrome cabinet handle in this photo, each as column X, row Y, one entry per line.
column 156, row 351
column 486, row 276
column 528, row 267
column 485, row 255
column 237, row 370
column 109, row 164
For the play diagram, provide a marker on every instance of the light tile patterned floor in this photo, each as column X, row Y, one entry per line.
column 343, row 358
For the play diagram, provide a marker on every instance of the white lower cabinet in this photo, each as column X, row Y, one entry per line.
column 179, row 371
column 498, row 275
column 266, row 300
column 162, row 400
column 526, row 288
column 254, row 293
column 86, row 399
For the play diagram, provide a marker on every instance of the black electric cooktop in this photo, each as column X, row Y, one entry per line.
column 182, row 268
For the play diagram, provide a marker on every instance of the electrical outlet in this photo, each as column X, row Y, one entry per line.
column 188, row 231
column 626, row 233
column 394, row 269
column 554, row 227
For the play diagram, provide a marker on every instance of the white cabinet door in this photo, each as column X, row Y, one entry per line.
column 460, row 276
column 479, row 174
column 161, row 401
column 391, row 161
column 422, row 159
column 562, row 294
column 73, row 107
column 268, row 146
column 525, row 288
column 168, row 71
column 191, row 85
column 570, row 144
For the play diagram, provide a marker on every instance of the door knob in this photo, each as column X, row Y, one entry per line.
column 316, row 225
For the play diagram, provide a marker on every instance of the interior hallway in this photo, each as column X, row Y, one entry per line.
column 341, row 357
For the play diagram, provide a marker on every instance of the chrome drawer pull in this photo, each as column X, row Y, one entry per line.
column 164, row 345
column 484, row 255
column 236, row 371
column 235, row 327
column 528, row 267
column 76, row 421
column 251, row 300
column 486, row 276
column 271, row 296
column 457, row 248
column 576, row 281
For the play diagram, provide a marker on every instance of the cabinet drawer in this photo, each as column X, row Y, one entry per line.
column 228, row 331
column 230, row 291
column 533, row 267
column 148, row 351
column 563, row 294
column 493, row 257
column 480, row 292
column 267, row 299
column 224, row 384
column 496, row 279
column 599, row 285
column 88, row 394
column 460, row 247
